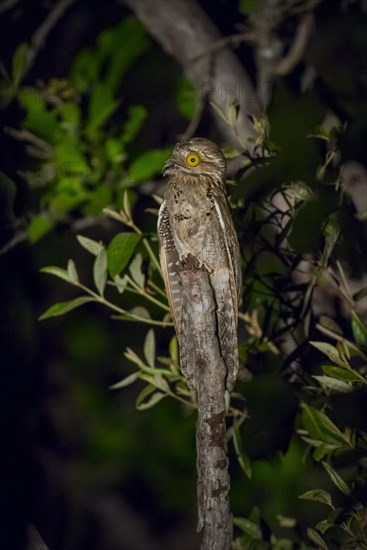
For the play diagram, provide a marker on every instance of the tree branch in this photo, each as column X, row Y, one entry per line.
column 207, row 374
column 8, row 5
column 39, row 37
column 184, row 31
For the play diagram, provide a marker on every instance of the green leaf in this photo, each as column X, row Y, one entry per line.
column 149, row 348
column 58, row 272
column 39, row 226
column 173, row 348
column 323, row 450
column 19, row 62
column 323, row 526
column 100, row 271
column 248, row 6
column 64, row 307
column 71, row 113
column 84, row 70
column 329, row 522
column 343, row 374
column 99, row 198
column 186, row 98
column 72, row 272
column 119, row 47
column 360, row 294
column 330, row 351
column 319, row 426
column 136, row 271
column 318, row 495
column 333, row 384
column 154, row 399
column 41, row 122
column 90, row 245
column 120, row 251
column 242, row 457
column 101, row 106
column 317, row 538
column 136, row 114
column 121, row 283
column 125, row 381
column 248, row 527
column 148, row 165
column 359, row 330
column 336, row 479
column 70, row 158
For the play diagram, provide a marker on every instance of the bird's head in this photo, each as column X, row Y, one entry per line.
column 196, row 157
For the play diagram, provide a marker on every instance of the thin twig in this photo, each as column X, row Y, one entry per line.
column 297, row 50
column 29, row 137
column 8, row 5
column 39, row 37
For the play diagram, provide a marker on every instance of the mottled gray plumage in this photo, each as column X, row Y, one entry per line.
column 195, row 230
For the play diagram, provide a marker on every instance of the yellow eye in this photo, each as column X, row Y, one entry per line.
column 192, row 159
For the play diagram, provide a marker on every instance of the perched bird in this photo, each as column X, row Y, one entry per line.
column 196, row 230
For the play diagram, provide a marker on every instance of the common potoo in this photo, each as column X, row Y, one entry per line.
column 196, row 231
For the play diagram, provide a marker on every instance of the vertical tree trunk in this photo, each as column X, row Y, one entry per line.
column 208, row 376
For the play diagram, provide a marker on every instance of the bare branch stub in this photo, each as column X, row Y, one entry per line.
column 207, row 376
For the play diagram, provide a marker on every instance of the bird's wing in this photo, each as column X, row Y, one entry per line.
column 226, row 282
column 229, row 238
column 170, row 268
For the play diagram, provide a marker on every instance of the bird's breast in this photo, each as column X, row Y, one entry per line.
column 193, row 221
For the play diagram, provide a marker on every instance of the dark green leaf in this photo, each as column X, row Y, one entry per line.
column 64, row 307
column 39, row 226
column 19, row 62
column 343, row 374
column 149, row 164
column 359, row 330
column 360, row 294
column 136, row 114
column 242, row 457
column 119, row 47
column 319, row 426
column 84, row 71
column 120, row 251
column 186, row 98
column 70, row 158
column 247, row 6
column 101, row 106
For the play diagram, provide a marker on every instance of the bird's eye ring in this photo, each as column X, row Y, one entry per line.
column 192, row 159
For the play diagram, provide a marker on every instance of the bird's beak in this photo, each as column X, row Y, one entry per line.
column 170, row 166
column 167, row 167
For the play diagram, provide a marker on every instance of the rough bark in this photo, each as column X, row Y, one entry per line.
column 208, row 375
column 184, row 31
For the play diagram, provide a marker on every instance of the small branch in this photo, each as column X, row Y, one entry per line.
column 185, row 32
column 27, row 136
column 295, row 54
column 8, row 5
column 39, row 37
